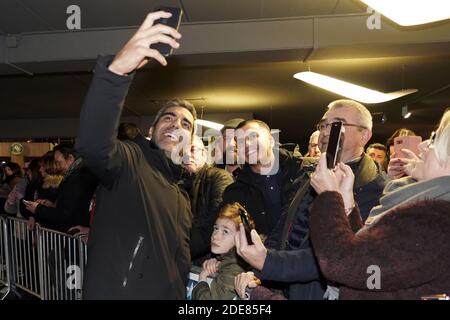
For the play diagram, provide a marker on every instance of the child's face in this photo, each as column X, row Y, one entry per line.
column 222, row 239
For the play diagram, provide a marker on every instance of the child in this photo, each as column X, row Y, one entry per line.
column 227, row 264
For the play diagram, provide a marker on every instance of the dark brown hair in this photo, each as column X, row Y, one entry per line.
column 176, row 103
column 402, row 132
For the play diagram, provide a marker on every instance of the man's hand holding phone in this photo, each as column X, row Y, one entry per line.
column 173, row 22
column 254, row 254
column 246, row 225
column 339, row 179
column 137, row 52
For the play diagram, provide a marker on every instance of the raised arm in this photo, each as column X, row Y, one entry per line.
column 99, row 120
column 103, row 105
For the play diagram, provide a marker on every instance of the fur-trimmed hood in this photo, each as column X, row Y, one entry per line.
column 52, row 181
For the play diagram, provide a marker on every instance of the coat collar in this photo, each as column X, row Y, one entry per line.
column 157, row 158
column 284, row 162
column 366, row 172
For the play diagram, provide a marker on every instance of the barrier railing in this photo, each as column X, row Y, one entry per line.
column 5, row 284
column 62, row 261
column 22, row 242
column 43, row 262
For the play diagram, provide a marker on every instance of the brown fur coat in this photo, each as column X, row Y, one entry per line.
column 410, row 244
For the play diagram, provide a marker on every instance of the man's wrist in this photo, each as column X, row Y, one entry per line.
column 114, row 70
column 262, row 261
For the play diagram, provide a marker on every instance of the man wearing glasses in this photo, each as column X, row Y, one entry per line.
column 357, row 120
column 291, row 259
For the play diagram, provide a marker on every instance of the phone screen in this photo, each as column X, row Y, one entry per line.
column 246, row 224
column 173, row 22
column 334, row 144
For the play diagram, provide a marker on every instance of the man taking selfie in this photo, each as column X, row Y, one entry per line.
column 139, row 241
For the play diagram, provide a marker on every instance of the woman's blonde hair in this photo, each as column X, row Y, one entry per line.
column 442, row 140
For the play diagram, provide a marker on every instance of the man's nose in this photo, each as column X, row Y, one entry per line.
column 176, row 123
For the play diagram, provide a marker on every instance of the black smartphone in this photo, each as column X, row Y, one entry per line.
column 246, row 224
column 334, row 144
column 173, row 22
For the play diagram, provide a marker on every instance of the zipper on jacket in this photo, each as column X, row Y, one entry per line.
column 136, row 250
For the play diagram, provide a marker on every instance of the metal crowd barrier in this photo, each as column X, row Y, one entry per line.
column 5, row 285
column 22, row 243
column 62, row 261
column 45, row 263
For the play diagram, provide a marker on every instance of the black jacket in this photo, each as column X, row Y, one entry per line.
column 249, row 194
column 370, row 180
column 299, row 267
column 206, row 197
column 72, row 204
column 139, row 242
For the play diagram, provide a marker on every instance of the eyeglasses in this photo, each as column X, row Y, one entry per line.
column 325, row 125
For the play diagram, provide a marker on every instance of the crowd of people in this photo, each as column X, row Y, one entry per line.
column 55, row 191
column 312, row 233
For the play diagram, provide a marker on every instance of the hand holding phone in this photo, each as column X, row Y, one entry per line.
column 136, row 53
column 246, row 223
column 173, row 22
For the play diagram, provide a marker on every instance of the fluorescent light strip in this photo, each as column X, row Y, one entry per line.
column 350, row 90
column 209, row 124
column 412, row 12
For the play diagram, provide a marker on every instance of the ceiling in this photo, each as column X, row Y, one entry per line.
column 252, row 80
column 17, row 16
